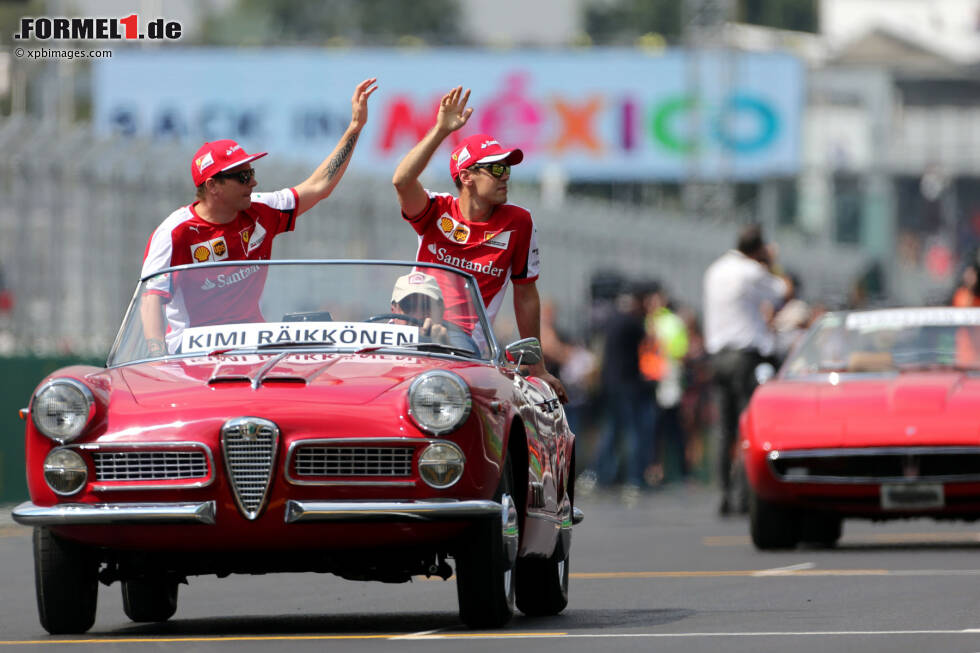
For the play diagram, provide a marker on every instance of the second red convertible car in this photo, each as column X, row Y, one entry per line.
column 874, row 415
column 355, row 418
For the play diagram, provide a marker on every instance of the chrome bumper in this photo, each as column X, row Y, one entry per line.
column 429, row 511
column 296, row 511
column 114, row 513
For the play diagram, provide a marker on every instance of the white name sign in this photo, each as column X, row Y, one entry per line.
column 329, row 334
column 913, row 317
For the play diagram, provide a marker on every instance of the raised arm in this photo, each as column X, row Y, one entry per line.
column 326, row 177
column 452, row 115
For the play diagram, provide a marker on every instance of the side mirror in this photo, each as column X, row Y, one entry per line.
column 764, row 372
column 524, row 352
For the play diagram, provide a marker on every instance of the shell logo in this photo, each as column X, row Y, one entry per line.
column 446, row 224
column 201, row 254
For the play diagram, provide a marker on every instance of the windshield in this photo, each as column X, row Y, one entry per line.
column 890, row 340
column 213, row 309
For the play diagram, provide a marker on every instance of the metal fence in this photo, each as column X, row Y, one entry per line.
column 77, row 210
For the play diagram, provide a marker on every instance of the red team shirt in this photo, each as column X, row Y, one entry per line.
column 504, row 247
column 217, row 295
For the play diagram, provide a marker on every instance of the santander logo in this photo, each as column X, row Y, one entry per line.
column 443, row 256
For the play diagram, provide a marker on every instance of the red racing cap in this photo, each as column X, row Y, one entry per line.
column 481, row 148
column 218, row 156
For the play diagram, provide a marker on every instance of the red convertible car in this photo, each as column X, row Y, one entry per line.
column 873, row 415
column 349, row 417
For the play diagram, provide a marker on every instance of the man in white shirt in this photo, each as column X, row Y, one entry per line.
column 741, row 293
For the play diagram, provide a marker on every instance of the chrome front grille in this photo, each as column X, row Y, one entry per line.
column 149, row 465
column 249, row 445
column 877, row 464
column 329, row 461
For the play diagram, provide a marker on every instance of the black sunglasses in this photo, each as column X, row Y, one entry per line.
column 242, row 176
column 496, row 170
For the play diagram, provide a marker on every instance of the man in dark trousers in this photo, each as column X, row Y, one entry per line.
column 741, row 293
column 628, row 398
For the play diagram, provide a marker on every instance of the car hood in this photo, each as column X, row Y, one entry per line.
column 349, row 379
column 909, row 409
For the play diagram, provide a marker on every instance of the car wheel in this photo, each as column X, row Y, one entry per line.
column 486, row 563
column 149, row 599
column 821, row 529
column 66, row 583
column 542, row 584
column 771, row 525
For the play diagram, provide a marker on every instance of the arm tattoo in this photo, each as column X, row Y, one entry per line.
column 338, row 160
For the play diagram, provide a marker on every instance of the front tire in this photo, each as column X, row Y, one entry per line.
column 66, row 583
column 542, row 584
column 486, row 563
column 149, row 599
column 771, row 525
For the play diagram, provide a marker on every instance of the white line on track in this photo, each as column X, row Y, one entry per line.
column 420, row 635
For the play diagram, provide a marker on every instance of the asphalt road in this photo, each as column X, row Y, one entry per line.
column 665, row 574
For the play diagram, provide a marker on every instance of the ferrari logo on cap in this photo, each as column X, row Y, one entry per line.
column 203, row 161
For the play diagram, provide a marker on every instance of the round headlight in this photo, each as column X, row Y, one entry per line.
column 65, row 471
column 61, row 409
column 439, row 401
column 441, row 464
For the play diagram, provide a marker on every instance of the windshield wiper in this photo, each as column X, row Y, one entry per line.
column 422, row 346
column 270, row 345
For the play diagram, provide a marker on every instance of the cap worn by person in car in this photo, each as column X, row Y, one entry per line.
column 416, row 282
column 481, row 148
column 219, row 156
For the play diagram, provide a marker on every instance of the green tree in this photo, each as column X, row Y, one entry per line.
column 622, row 22
column 10, row 15
column 353, row 22
column 800, row 15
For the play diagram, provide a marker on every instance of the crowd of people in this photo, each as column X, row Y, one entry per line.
column 655, row 377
